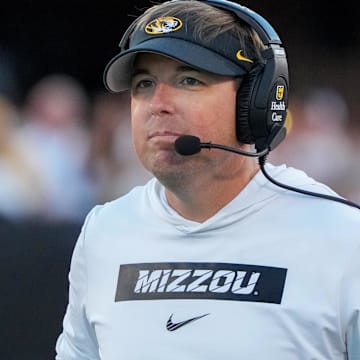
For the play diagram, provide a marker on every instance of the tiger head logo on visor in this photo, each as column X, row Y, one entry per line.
column 163, row 25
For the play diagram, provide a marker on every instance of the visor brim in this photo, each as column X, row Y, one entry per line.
column 118, row 72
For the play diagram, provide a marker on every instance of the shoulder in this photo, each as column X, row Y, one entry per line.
column 127, row 206
column 314, row 210
column 297, row 178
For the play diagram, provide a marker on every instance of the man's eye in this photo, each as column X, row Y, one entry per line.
column 191, row 81
column 142, row 84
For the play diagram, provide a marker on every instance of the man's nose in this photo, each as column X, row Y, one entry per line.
column 162, row 99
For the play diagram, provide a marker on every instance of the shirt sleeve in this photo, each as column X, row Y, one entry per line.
column 353, row 337
column 78, row 339
column 350, row 306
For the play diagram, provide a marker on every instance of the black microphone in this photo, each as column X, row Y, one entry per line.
column 187, row 145
column 191, row 145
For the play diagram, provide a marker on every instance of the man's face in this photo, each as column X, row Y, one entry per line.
column 170, row 99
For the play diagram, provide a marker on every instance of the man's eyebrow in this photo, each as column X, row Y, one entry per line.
column 187, row 68
column 138, row 71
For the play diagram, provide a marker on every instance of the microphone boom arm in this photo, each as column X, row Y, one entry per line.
column 209, row 145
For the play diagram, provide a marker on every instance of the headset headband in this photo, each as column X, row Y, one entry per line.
column 263, row 28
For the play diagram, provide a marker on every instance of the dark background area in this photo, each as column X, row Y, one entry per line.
column 35, row 260
column 78, row 38
column 322, row 40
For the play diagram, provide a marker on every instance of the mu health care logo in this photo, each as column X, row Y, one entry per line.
column 219, row 281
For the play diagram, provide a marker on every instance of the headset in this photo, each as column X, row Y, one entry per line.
column 262, row 98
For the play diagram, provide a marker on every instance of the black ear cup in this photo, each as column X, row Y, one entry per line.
column 262, row 101
column 244, row 132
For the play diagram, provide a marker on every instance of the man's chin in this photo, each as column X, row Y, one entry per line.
column 172, row 168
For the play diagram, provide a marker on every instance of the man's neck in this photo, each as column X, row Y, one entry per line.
column 200, row 200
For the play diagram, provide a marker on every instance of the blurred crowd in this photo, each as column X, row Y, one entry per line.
column 62, row 151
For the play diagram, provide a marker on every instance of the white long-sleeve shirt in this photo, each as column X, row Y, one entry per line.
column 272, row 275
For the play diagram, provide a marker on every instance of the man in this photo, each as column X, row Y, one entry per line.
column 210, row 260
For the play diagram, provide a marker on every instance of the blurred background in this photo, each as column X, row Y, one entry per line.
column 65, row 143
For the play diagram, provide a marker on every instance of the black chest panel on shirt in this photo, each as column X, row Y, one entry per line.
column 216, row 281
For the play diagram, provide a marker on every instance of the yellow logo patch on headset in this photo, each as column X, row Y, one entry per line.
column 280, row 92
column 163, row 25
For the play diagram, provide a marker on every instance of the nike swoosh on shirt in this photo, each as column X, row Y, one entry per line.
column 174, row 326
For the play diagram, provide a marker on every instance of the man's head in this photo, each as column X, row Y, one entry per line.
column 193, row 32
column 222, row 38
